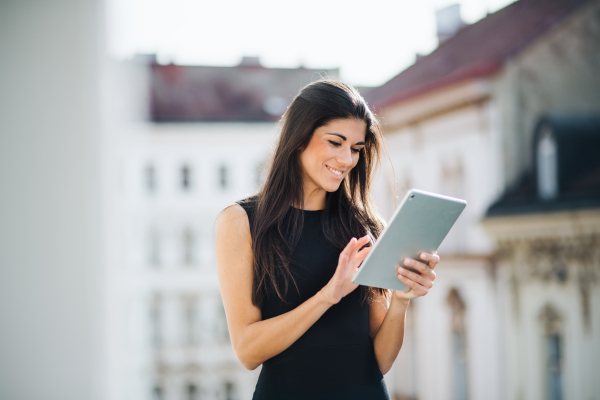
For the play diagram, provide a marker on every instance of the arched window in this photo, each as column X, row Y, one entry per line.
column 553, row 349
column 459, row 344
column 157, row 392
column 547, row 168
column 191, row 392
column 229, row 391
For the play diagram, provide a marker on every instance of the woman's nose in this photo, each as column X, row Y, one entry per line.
column 345, row 158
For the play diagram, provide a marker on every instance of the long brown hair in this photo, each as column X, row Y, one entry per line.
column 349, row 211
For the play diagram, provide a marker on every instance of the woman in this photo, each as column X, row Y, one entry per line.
column 286, row 257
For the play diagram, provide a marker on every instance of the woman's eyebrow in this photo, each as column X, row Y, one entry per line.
column 344, row 138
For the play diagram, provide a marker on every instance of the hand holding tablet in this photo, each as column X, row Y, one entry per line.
column 419, row 225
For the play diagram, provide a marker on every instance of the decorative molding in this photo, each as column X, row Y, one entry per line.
column 571, row 260
column 551, row 320
column 559, row 224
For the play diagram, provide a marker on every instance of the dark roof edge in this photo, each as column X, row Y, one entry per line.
column 477, row 71
column 497, row 210
column 484, row 68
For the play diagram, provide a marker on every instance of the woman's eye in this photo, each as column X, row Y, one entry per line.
column 356, row 150
column 336, row 144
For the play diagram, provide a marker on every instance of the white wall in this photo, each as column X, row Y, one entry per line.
column 169, row 209
column 456, row 153
column 558, row 73
column 51, row 240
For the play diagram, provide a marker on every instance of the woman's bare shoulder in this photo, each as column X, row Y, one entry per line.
column 233, row 218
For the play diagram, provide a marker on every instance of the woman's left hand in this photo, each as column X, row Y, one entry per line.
column 419, row 284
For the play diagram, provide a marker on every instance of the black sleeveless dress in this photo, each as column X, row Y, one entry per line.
column 334, row 359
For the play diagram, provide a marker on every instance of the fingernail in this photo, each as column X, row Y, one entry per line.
column 401, row 269
column 407, row 261
column 423, row 255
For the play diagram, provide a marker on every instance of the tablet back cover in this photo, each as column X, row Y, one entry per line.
column 419, row 224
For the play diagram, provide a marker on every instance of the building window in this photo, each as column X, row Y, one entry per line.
column 553, row 349
column 192, row 392
column 459, row 344
column 553, row 367
column 150, row 178
column 260, row 174
column 190, row 318
column 547, row 169
column 156, row 320
column 453, row 184
column 186, row 178
column 189, row 241
column 229, row 391
column 222, row 332
column 157, row 393
column 153, row 248
column 223, row 177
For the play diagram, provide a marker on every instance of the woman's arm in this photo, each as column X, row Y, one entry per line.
column 387, row 325
column 255, row 340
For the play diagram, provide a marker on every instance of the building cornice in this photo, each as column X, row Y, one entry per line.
column 544, row 225
column 436, row 102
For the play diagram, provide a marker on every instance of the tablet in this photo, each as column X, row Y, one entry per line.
column 419, row 224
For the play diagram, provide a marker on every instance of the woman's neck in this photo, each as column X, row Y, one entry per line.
column 313, row 199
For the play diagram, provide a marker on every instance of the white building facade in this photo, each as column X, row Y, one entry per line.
column 181, row 176
column 179, row 168
column 499, row 322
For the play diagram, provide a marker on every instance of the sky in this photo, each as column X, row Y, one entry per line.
column 370, row 40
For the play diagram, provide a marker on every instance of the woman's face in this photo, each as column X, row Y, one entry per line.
column 331, row 153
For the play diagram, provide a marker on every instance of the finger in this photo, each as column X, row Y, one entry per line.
column 363, row 241
column 432, row 258
column 421, row 269
column 348, row 247
column 417, row 265
column 359, row 243
column 354, row 250
column 362, row 255
column 418, row 289
column 420, row 279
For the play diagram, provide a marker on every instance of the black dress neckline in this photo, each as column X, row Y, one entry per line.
column 310, row 211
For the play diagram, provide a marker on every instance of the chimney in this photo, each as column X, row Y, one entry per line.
column 448, row 22
column 249, row 62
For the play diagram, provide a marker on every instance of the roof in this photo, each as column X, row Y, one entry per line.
column 578, row 169
column 476, row 50
column 246, row 92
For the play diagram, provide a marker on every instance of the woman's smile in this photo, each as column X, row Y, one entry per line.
column 336, row 172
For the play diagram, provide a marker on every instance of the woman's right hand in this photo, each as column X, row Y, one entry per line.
column 350, row 258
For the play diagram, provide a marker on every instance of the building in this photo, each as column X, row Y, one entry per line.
column 204, row 145
column 506, row 318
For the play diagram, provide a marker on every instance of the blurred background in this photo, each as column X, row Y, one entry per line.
column 126, row 126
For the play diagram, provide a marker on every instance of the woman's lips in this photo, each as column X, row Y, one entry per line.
column 333, row 173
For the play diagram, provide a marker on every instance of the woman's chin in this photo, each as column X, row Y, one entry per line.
column 332, row 187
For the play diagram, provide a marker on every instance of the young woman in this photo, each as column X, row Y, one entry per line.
column 287, row 255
